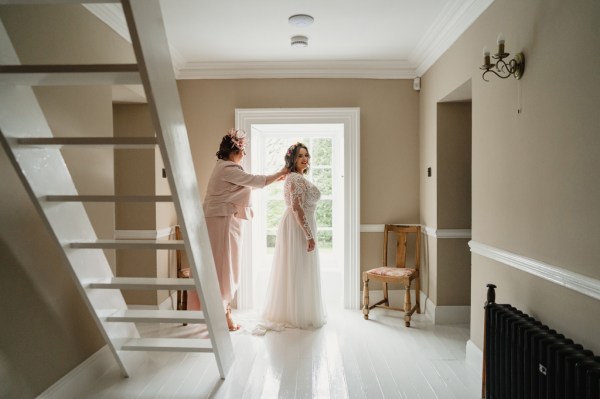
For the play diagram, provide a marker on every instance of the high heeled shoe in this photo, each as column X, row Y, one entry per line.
column 233, row 326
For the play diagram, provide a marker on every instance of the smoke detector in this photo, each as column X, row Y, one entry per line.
column 300, row 20
column 299, row 41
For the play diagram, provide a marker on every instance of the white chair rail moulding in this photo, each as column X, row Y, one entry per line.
column 578, row 282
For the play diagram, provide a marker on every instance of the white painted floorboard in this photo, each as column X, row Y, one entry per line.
column 348, row 358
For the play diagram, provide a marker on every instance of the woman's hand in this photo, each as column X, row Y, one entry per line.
column 311, row 245
column 280, row 175
column 282, row 172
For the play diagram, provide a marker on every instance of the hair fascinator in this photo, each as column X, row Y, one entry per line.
column 238, row 137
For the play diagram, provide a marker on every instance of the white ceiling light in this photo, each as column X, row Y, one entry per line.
column 299, row 41
column 300, row 20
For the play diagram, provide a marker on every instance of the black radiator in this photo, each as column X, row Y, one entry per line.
column 525, row 359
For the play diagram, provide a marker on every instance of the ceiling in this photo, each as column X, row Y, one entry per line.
column 385, row 39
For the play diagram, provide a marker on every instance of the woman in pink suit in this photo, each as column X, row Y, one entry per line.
column 226, row 205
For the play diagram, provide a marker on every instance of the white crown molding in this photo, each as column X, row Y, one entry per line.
column 578, row 282
column 452, row 22
column 456, row 17
column 297, row 69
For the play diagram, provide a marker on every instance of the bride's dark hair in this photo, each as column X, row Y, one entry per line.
column 291, row 156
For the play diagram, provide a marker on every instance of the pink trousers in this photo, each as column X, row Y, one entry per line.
column 225, row 233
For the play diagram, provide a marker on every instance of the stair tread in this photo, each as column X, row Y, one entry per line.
column 154, row 72
column 153, row 316
column 109, row 198
column 129, row 244
column 116, row 142
column 163, row 344
column 85, row 74
column 155, row 283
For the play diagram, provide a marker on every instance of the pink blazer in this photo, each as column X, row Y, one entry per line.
column 229, row 190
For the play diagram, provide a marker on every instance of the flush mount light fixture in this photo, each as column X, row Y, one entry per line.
column 300, row 20
column 299, row 41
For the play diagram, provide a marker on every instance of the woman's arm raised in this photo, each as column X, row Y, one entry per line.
column 277, row 176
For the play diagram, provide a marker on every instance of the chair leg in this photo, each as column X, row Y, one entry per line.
column 407, row 305
column 385, row 294
column 418, row 295
column 178, row 300
column 184, row 302
column 366, row 297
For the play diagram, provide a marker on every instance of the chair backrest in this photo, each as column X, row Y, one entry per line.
column 402, row 234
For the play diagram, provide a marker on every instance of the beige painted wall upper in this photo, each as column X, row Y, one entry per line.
column 389, row 141
column 535, row 173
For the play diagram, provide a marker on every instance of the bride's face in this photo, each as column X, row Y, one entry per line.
column 302, row 160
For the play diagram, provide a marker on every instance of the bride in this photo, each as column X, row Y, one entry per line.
column 293, row 296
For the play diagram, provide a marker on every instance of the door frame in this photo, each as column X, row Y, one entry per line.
column 350, row 118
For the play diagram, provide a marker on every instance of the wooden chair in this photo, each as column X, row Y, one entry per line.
column 182, row 272
column 399, row 274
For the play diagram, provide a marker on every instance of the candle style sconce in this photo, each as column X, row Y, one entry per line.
column 501, row 68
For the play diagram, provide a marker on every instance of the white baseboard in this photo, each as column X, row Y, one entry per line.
column 437, row 314
column 447, row 314
column 81, row 376
column 474, row 356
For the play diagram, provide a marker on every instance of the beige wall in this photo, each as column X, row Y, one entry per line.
column 534, row 174
column 454, row 165
column 452, row 175
column 51, row 330
column 389, row 141
column 134, row 175
column 388, row 146
column 139, row 172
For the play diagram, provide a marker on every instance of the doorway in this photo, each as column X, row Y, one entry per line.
column 268, row 143
column 270, row 129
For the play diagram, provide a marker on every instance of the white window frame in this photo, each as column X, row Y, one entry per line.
column 350, row 118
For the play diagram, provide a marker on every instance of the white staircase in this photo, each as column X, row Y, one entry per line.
column 36, row 156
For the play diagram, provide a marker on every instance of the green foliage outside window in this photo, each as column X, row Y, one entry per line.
column 322, row 179
column 321, row 152
column 275, row 210
column 324, row 214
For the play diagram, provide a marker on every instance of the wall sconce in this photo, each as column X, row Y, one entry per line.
column 503, row 69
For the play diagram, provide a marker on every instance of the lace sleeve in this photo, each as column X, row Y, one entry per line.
column 297, row 191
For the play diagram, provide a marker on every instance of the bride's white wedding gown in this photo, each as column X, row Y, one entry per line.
column 293, row 297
